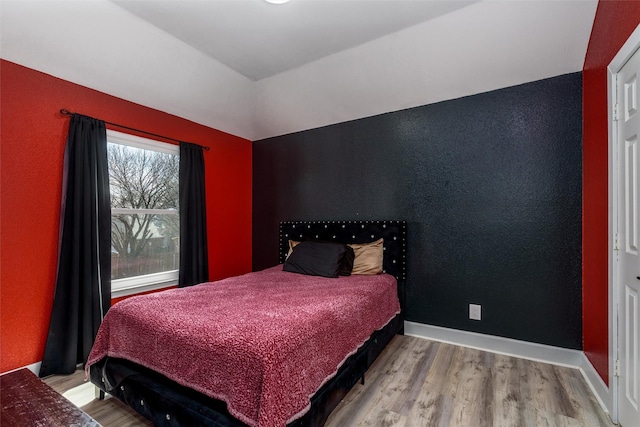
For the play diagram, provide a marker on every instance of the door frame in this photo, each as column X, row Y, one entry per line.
column 624, row 54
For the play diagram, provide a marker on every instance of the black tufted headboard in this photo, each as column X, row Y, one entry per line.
column 394, row 234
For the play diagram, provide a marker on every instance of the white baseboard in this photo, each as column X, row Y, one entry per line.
column 494, row 344
column 522, row 349
column 34, row 367
column 601, row 391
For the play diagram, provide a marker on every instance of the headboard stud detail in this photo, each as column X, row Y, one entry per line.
column 393, row 232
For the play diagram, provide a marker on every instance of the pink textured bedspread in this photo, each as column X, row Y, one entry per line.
column 263, row 342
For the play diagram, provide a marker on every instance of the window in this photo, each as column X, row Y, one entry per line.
column 145, row 222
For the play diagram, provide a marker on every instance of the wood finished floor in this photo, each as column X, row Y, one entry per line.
column 416, row 382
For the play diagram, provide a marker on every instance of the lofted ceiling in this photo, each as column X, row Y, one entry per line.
column 257, row 70
column 260, row 39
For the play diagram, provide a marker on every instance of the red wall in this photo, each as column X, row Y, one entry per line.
column 33, row 135
column 614, row 23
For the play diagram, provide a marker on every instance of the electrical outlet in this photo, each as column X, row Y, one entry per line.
column 475, row 311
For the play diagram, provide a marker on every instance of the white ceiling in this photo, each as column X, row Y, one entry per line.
column 258, row 70
column 260, row 39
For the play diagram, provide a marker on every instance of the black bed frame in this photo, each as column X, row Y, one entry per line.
column 167, row 403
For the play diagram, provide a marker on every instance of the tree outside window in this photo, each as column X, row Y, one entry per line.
column 144, row 211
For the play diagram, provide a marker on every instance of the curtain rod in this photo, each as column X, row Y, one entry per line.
column 204, row 147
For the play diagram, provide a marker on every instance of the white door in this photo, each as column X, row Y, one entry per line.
column 628, row 89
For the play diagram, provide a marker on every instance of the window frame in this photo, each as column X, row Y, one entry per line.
column 145, row 282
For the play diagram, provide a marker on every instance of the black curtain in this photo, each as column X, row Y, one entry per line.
column 194, row 264
column 83, row 283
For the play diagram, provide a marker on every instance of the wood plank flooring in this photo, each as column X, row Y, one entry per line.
column 109, row 412
column 416, row 383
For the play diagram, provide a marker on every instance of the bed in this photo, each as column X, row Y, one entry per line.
column 297, row 385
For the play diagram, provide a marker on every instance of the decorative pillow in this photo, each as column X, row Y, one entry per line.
column 346, row 265
column 292, row 244
column 316, row 259
column 368, row 257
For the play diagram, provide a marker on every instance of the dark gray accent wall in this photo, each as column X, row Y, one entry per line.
column 489, row 184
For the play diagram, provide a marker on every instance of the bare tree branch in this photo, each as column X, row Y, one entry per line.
column 142, row 179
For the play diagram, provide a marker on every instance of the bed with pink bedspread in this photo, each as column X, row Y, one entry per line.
column 260, row 349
